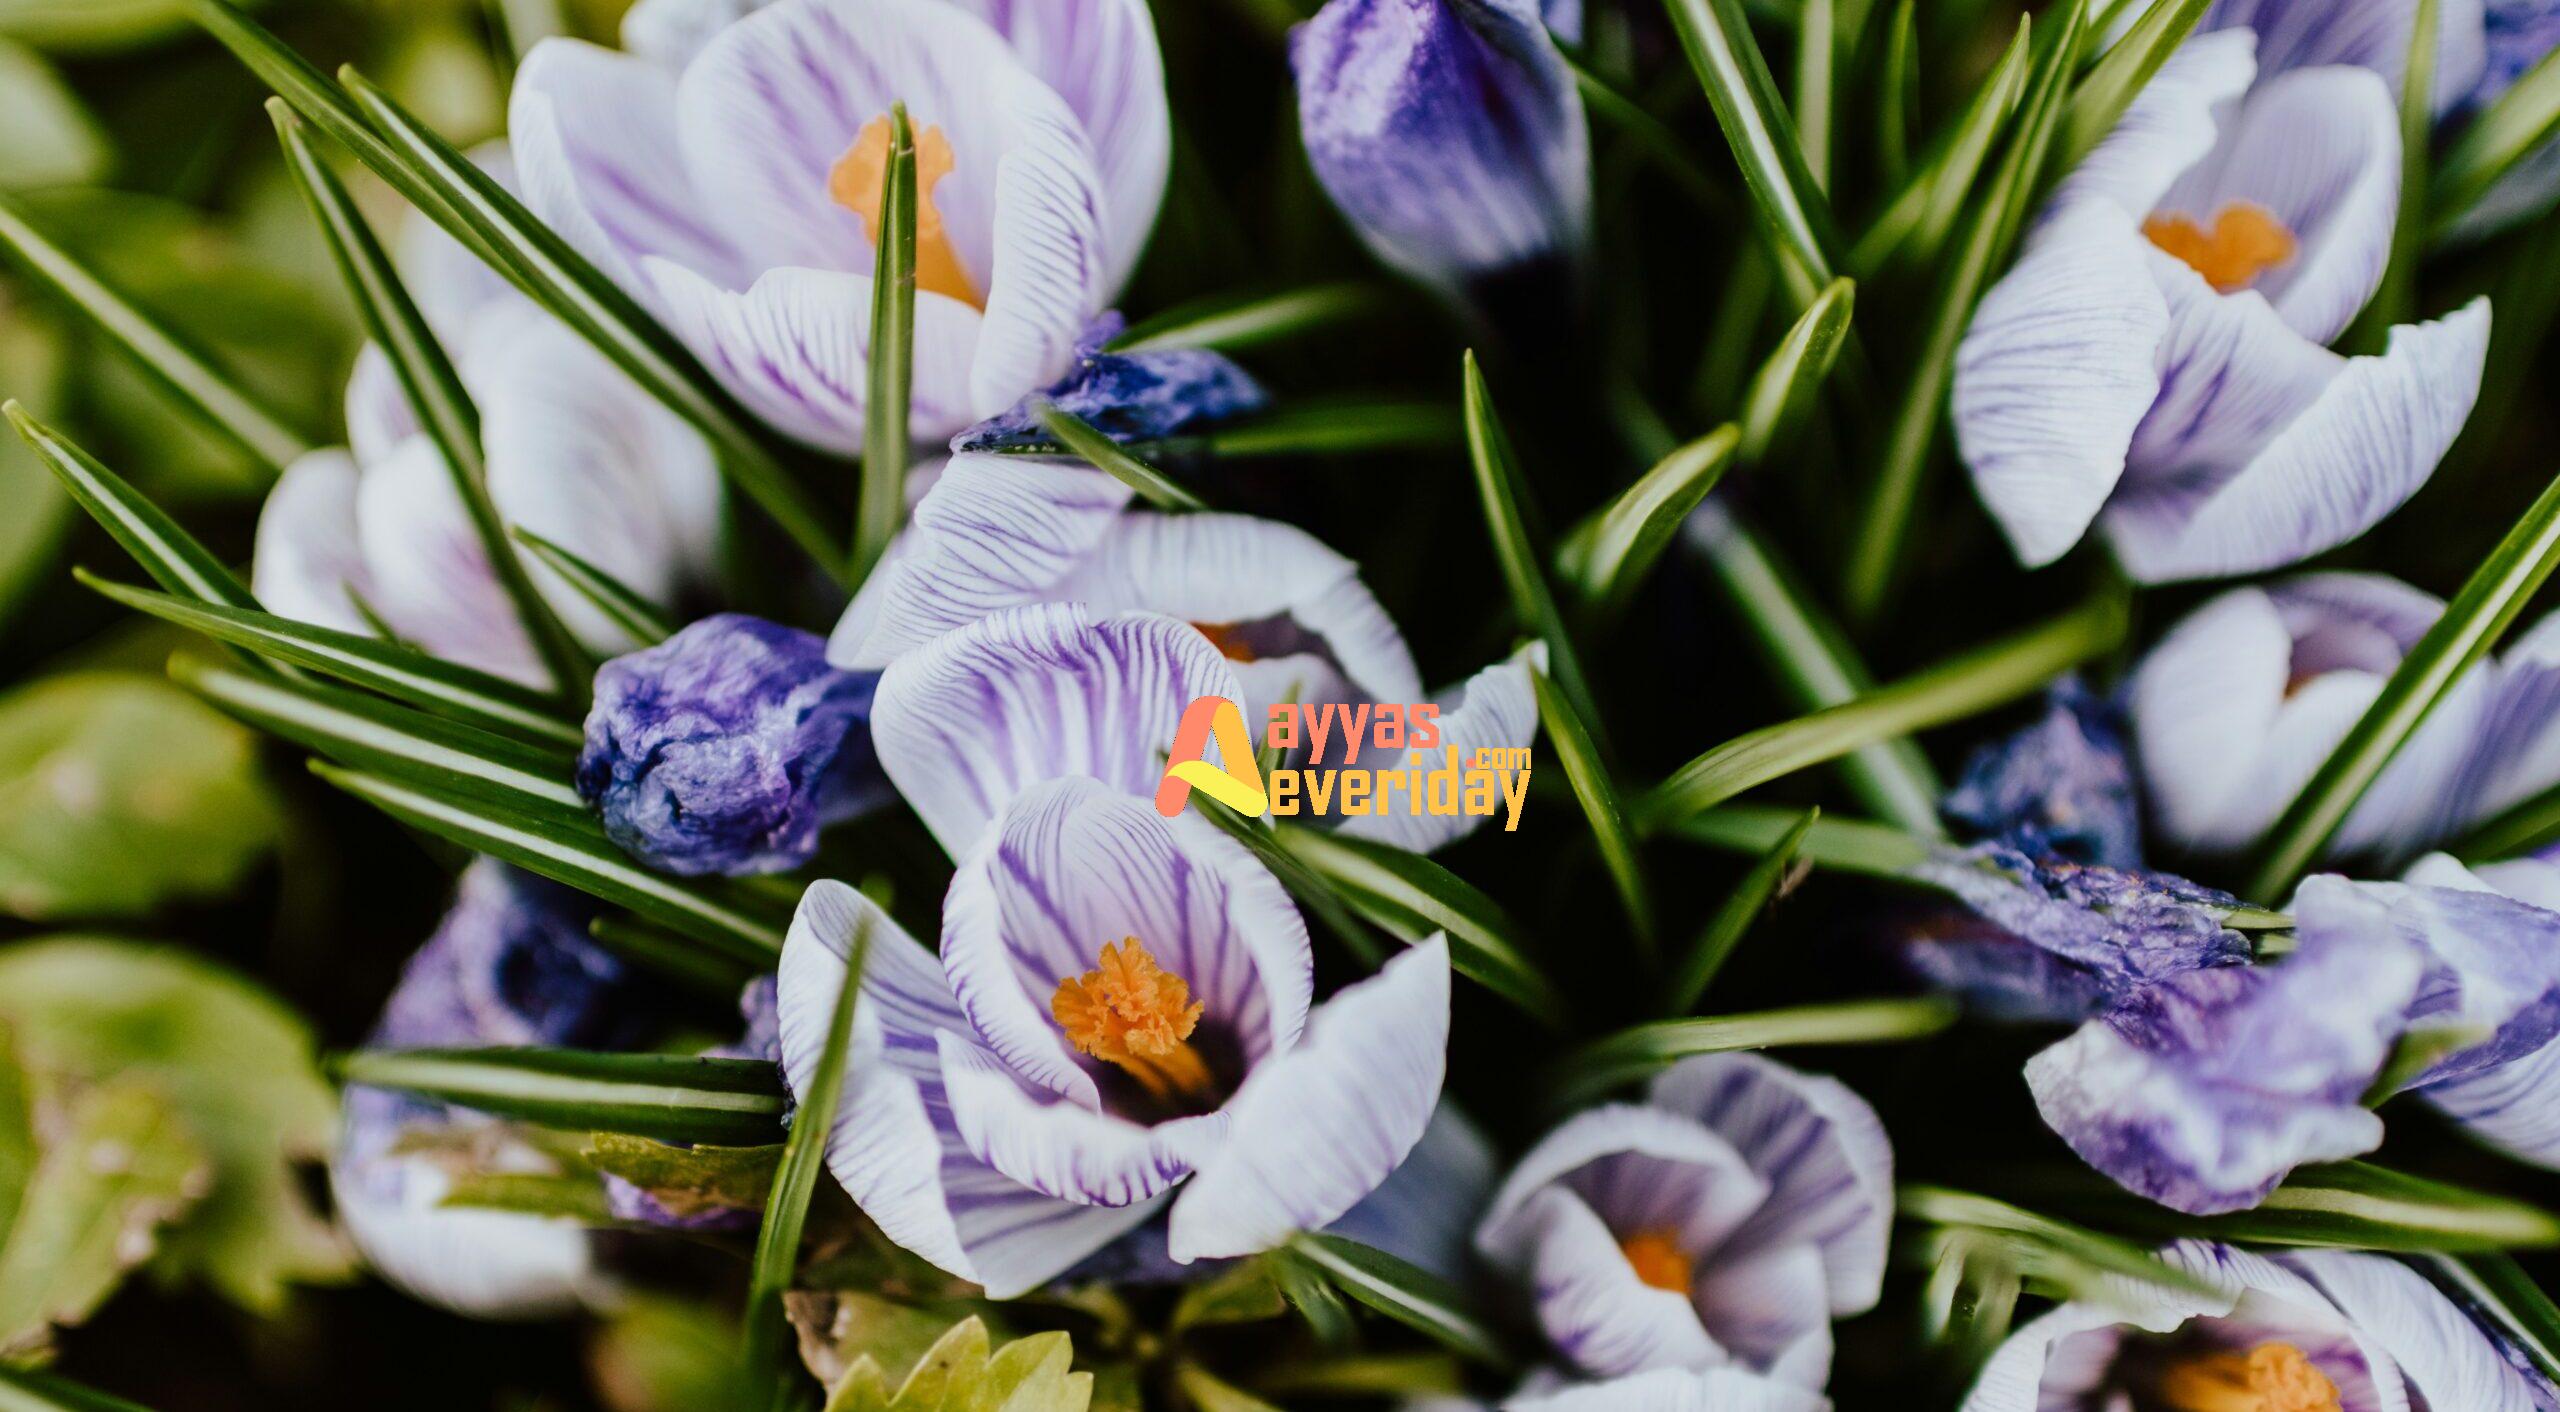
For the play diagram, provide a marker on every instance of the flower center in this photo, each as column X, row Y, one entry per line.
column 2272, row 1377
column 2245, row 242
column 854, row 183
column 1230, row 640
column 1135, row 1014
column 1656, row 1259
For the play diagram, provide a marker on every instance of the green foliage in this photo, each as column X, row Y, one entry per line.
column 120, row 1171
column 688, row 1180
column 960, row 1374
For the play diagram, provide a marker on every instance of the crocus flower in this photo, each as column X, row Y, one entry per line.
column 2241, row 701
column 572, row 449
column 725, row 748
column 1451, row 135
column 1138, row 396
column 2061, row 788
column 1726, row 1389
column 1120, row 1016
column 1722, row 1223
column 2308, row 1331
column 2506, row 1090
column 2155, row 362
column 730, row 180
column 510, row 964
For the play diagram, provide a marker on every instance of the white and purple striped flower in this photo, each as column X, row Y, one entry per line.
column 1120, row 1018
column 2312, row 1331
column 510, row 964
column 727, row 173
column 1720, row 1225
column 1451, row 135
column 2500, row 973
column 2155, row 362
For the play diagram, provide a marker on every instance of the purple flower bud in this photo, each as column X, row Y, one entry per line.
column 1127, row 396
column 2061, row 788
column 1450, row 133
column 726, row 747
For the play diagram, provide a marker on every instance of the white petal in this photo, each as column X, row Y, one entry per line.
column 672, row 32
column 1770, row 1311
column 1425, row 1211
column 1717, row 1190
column 2442, row 1354
column 2372, row 34
column 482, row 1263
column 2204, row 702
column 449, row 282
column 2514, row 1107
column 1051, row 270
column 1059, row 1148
column 1496, row 709
column 378, row 413
column 1592, row 1306
column 1672, row 1390
column 1318, row 1127
column 307, row 555
column 431, row 579
column 2516, row 753
column 2170, row 125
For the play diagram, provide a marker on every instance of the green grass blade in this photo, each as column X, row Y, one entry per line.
column 2492, row 142
column 670, row 1097
column 2527, row 827
column 1598, row 794
column 1410, row 895
column 2359, row 1206
column 24, row 1391
column 1609, row 556
column 1816, row 49
column 1667, row 150
column 434, row 391
column 1884, row 524
column 1498, row 488
column 568, row 848
column 2121, row 73
column 173, row 557
column 663, row 953
column 1642, row 1050
column 1411, row 1296
column 804, row 1156
column 893, row 354
column 1896, row 104
column 2478, row 616
column 1834, row 845
column 1977, row 681
column 1793, row 215
column 1084, row 439
column 1706, row 956
column 1915, row 223
column 1319, row 426
column 2395, row 299
column 1228, row 322
column 1784, row 386
column 170, row 359
column 404, row 674
column 625, row 607
column 1940, row 1206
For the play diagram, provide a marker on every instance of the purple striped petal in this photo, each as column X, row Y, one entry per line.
column 1770, row 1311
column 1319, row 1126
column 1642, row 1168
column 2371, row 34
column 1594, row 1309
column 2514, row 1107
column 1030, row 694
column 2515, row 747
column 1496, row 709
column 1142, row 395
column 671, row 32
column 2492, row 963
column 2060, row 788
column 1058, row 1147
column 2445, row 1358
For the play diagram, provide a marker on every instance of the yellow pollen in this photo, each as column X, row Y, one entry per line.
column 854, row 183
column 2246, row 241
column 2272, row 1377
column 1133, row 1013
column 1657, row 1261
column 1230, row 641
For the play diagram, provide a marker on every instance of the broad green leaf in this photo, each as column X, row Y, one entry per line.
column 1967, row 685
column 458, row 693
column 2492, row 141
column 1916, row 222
column 1793, row 215
column 119, row 1174
column 1641, row 1050
column 1499, row 491
column 120, row 795
column 2049, row 1247
column 236, row 1066
column 571, row 848
column 1083, row 438
column 2359, row 1206
column 892, row 353
column 2472, row 623
column 89, row 26
column 1228, row 322
column 2496, row 1284
column 1413, row 1297
column 957, row 1375
column 1410, row 895
column 1834, row 845
column 36, row 1392
column 47, row 137
column 674, row 1097
column 168, row 553
column 1706, row 956
column 630, row 612
column 2122, row 72
column 1784, row 386
column 688, row 1180
column 839, row 1326
column 1597, row 792
column 1610, row 554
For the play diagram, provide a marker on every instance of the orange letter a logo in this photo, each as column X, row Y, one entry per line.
column 1239, row 786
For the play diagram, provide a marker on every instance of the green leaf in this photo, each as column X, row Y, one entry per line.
column 169, row 358
column 893, row 353
column 1413, row 1297
column 2043, row 1245
column 1896, row 106
column 551, row 1195
column 34, row 362
column 1793, row 215
column 1304, row 1287
column 120, row 795
column 2525, row 827
column 2126, row 68
column 2359, row 1206
column 18, row 1151
column 630, row 611
column 571, row 848
column 1597, row 792
column 673, row 1097
column 2472, row 623
column 1228, row 322
column 234, row 1064
column 1032, row 1374
column 1413, row 897
column 1083, row 438
column 1245, row 1294
column 1640, row 1050
column 1970, row 1299
column 1834, row 845
column 1742, row 907
column 1498, row 488
column 1318, row 426
column 47, row 137
column 839, row 1326
column 1784, row 386
column 1998, row 214
column 2497, row 1285
column 1210, row 1393
column 123, row 1170
column 1977, row 681
column 804, row 1153
column 2492, row 142
column 1916, row 222
column 168, row 553
column 678, row 958
column 1816, row 51
column 1651, row 135
column 462, row 694
column 1610, row 554
column 688, row 1180
column 35, row 1392
column 432, row 388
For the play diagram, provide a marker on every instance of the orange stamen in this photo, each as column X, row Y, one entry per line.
column 1230, row 641
column 1658, row 1261
column 2246, row 241
column 1135, row 1014
column 2272, row 1377
column 855, row 181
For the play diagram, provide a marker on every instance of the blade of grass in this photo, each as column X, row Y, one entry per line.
column 1895, row 115
column 1793, row 215
column 1784, row 386
column 1707, row 955
column 1085, row 439
column 2358, row 1206
column 1835, row 845
column 2395, row 299
column 1941, row 1206
column 171, row 360
column 24, row 1391
column 1988, row 676
column 173, row 557
column 2122, row 72
column 1608, row 556
column 667, row 954
column 1641, row 1050
column 1602, row 806
column 1411, row 1296
column 671, row 1097
column 2472, row 623
column 1532, row 600
column 1317, row 426
column 892, row 366
column 1915, row 223
column 1816, row 48
column 622, row 605
column 1227, row 322
column 2492, row 142
column 1650, row 134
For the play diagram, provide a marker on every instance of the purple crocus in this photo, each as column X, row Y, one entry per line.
column 2308, row 1331
column 1139, row 396
column 510, row 964
column 1451, row 135
column 1723, row 1223
column 1120, row 1018
column 725, row 748
column 2156, row 362
column 729, row 176
column 2060, row 788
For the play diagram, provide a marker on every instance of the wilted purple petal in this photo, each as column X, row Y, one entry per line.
column 2062, row 787
column 1141, row 396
